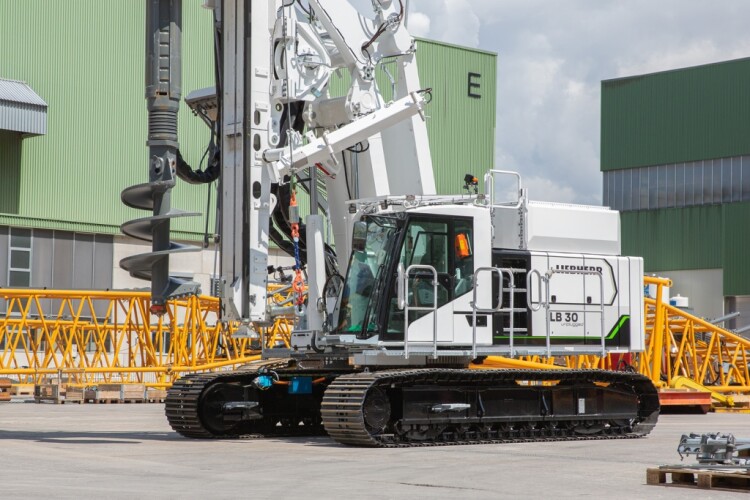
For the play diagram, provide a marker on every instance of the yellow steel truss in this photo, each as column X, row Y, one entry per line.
column 680, row 347
column 93, row 336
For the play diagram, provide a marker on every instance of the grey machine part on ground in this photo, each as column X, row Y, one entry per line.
column 716, row 449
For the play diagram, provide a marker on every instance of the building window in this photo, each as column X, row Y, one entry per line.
column 19, row 258
column 703, row 182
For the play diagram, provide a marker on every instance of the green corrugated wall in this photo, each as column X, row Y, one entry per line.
column 736, row 248
column 670, row 239
column 707, row 237
column 462, row 128
column 679, row 116
column 10, row 171
column 85, row 58
column 674, row 116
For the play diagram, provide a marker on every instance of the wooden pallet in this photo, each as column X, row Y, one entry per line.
column 741, row 405
column 133, row 393
column 74, row 394
column 117, row 393
column 156, row 395
column 22, row 390
column 109, row 394
column 5, row 385
column 733, row 480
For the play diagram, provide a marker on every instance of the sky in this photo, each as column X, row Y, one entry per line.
column 552, row 57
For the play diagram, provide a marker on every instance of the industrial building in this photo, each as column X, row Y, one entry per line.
column 676, row 162
column 73, row 131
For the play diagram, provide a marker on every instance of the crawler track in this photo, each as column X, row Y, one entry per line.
column 393, row 408
column 345, row 409
column 186, row 408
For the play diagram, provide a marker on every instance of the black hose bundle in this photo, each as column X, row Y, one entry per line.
column 207, row 176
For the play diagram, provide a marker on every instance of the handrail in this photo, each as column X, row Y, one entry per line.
column 498, row 308
column 408, row 309
column 489, row 185
column 529, row 301
column 546, row 305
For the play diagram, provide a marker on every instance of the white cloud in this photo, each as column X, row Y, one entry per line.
column 419, row 24
column 693, row 53
column 547, row 190
column 552, row 57
column 451, row 21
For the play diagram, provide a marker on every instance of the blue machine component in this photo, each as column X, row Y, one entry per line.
column 263, row 382
column 300, row 385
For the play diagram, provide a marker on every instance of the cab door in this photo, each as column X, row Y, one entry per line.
column 445, row 244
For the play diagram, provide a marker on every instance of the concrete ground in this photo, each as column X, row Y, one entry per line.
column 129, row 451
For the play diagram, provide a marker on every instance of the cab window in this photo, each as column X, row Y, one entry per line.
column 446, row 244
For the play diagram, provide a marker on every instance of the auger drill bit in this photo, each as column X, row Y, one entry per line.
column 163, row 93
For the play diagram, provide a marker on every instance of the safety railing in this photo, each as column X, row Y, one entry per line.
column 499, row 273
column 490, row 180
column 543, row 282
column 408, row 308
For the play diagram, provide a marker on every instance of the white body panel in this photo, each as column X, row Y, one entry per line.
column 575, row 304
column 556, row 227
column 241, row 167
column 582, row 308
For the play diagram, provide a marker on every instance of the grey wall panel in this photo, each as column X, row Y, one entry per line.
column 3, row 265
column 42, row 259
column 63, row 261
column 42, row 253
column 103, row 250
column 3, row 256
column 703, row 287
column 83, row 261
column 103, row 255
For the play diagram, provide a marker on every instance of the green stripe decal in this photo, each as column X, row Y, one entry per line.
column 618, row 326
column 612, row 333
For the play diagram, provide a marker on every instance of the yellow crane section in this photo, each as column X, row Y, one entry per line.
column 92, row 337
column 683, row 351
column 683, row 345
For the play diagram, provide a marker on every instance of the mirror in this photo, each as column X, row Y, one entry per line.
column 359, row 236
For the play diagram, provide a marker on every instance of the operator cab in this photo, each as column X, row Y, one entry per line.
column 418, row 246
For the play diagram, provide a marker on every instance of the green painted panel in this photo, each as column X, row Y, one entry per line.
column 674, row 239
column 10, row 171
column 461, row 128
column 688, row 114
column 736, row 241
column 86, row 59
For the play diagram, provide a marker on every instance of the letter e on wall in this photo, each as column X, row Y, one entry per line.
column 474, row 85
